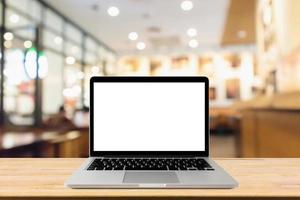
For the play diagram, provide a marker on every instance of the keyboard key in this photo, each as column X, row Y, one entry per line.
column 150, row 164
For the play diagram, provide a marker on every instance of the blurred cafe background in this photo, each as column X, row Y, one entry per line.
column 249, row 49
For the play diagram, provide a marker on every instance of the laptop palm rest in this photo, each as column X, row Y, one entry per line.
column 150, row 177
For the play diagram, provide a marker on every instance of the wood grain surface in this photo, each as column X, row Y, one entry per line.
column 44, row 178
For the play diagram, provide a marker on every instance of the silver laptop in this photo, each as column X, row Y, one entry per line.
column 149, row 132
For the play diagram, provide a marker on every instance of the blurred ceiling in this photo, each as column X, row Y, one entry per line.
column 161, row 24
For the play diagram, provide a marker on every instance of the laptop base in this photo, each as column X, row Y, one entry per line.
column 84, row 178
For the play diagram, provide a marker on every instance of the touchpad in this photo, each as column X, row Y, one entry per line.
column 150, row 177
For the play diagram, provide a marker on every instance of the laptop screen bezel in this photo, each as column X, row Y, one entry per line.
column 199, row 79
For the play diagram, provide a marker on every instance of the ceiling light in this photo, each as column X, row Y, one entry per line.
column 58, row 40
column 187, row 5
column 27, row 44
column 113, row 11
column 241, row 34
column 70, row 60
column 192, row 32
column 193, row 43
column 133, row 36
column 8, row 36
column 14, row 18
column 141, row 46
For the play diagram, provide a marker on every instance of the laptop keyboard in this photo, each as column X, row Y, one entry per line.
column 150, row 164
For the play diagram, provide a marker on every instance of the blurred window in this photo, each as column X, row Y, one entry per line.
column 73, row 50
column 91, row 51
column 15, row 20
column 91, row 45
column 90, row 58
column 31, row 8
column 52, row 40
column 73, row 33
column 53, row 21
column 72, row 85
column 53, row 83
column 61, row 39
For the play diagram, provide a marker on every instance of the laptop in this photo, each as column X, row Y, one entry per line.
column 149, row 132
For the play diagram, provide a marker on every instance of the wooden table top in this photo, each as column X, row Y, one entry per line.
column 45, row 178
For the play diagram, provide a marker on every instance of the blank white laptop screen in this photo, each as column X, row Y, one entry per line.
column 149, row 116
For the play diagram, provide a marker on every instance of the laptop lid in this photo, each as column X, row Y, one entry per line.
column 149, row 116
